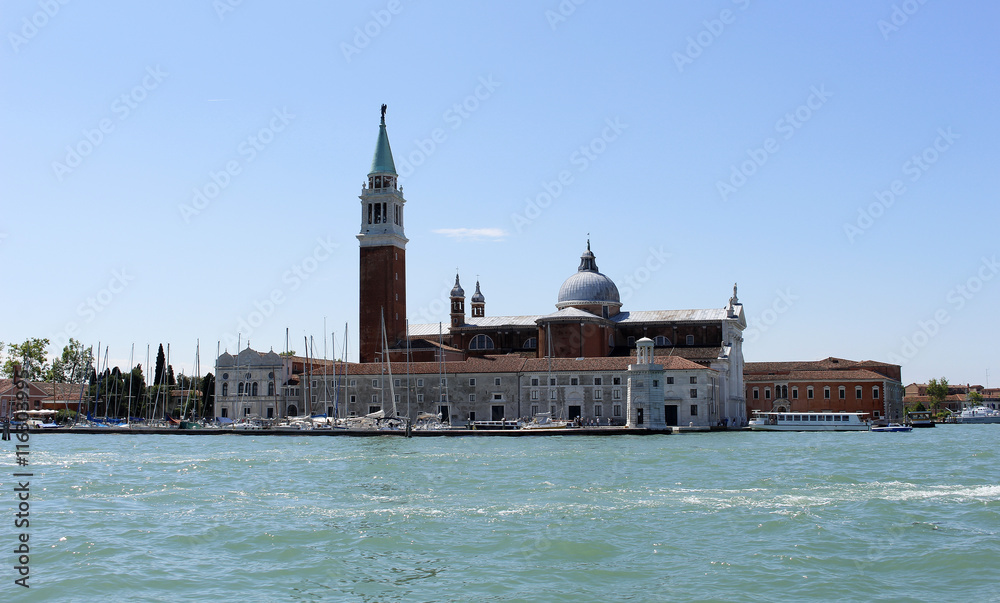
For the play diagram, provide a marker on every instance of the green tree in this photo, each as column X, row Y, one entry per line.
column 73, row 365
column 207, row 396
column 975, row 397
column 161, row 360
column 938, row 391
column 31, row 356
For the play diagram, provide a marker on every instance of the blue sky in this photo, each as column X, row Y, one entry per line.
column 836, row 160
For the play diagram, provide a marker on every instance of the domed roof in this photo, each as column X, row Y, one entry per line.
column 477, row 297
column 588, row 286
column 457, row 290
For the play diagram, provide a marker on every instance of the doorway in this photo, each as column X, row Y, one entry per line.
column 670, row 414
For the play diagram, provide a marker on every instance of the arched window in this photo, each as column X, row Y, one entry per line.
column 270, row 388
column 481, row 342
column 240, row 392
column 531, row 343
column 661, row 341
column 225, row 389
column 254, row 389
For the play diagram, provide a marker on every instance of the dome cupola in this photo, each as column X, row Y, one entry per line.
column 588, row 289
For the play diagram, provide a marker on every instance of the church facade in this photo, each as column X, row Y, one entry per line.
column 588, row 359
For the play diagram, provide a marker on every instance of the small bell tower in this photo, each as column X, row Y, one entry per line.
column 457, row 304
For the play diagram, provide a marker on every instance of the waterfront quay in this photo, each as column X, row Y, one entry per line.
column 574, row 431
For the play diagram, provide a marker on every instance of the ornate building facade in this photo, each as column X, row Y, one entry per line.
column 588, row 359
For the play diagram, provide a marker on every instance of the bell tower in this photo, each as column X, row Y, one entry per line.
column 383, row 253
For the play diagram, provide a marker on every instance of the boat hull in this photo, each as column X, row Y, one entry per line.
column 807, row 421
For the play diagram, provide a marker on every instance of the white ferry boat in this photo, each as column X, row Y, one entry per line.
column 978, row 414
column 808, row 421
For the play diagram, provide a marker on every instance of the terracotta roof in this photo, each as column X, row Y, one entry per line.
column 614, row 363
column 826, row 364
column 513, row 363
column 797, row 375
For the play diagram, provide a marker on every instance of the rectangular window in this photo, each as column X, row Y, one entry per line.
column 598, row 410
column 598, row 381
column 498, row 396
column 496, row 381
column 552, row 381
column 809, row 392
column 354, row 382
column 374, row 398
column 756, row 394
column 616, row 381
column 857, row 392
column 694, row 380
column 875, row 392
column 876, row 414
column 534, row 394
column 374, row 382
column 656, row 383
column 396, row 398
column 795, row 393
column 472, row 397
column 472, row 382
column 534, row 382
column 574, row 381
column 826, row 393
column 694, row 393
column 694, row 410
column 842, row 392
column 396, row 382
column 442, row 382
column 767, row 393
column 420, row 383
column 598, row 394
column 353, row 399
column 670, row 380
column 553, row 395
column 420, row 397
column 617, row 410
column 616, row 394
column 534, row 409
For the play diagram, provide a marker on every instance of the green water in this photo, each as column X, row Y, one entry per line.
column 721, row 516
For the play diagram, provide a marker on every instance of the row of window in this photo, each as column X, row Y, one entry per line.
column 497, row 381
column 781, row 391
column 225, row 376
column 248, row 389
column 378, row 213
column 485, row 342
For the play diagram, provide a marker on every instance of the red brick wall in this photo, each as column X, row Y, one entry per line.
column 383, row 285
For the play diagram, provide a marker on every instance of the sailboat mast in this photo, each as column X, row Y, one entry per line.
column 308, row 373
column 388, row 365
column 128, row 410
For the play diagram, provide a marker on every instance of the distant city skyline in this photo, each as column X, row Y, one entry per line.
column 174, row 173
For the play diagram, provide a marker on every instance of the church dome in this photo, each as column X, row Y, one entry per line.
column 478, row 297
column 588, row 286
column 457, row 290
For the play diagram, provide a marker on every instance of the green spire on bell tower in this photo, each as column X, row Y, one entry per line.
column 382, row 161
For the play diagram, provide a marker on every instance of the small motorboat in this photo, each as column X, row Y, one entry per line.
column 891, row 427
